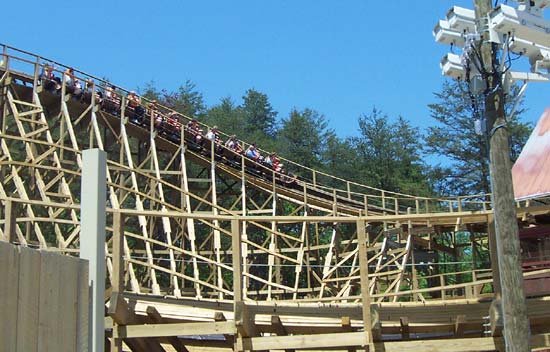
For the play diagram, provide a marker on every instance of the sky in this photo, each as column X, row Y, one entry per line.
column 341, row 58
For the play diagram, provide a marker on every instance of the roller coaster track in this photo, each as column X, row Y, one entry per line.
column 313, row 241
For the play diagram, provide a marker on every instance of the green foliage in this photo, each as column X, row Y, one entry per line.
column 186, row 99
column 303, row 136
column 387, row 155
column 337, row 157
column 259, row 114
column 465, row 169
column 227, row 116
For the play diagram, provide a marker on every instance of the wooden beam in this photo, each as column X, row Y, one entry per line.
column 376, row 324
column 118, row 249
column 405, row 334
column 346, row 326
column 119, row 309
column 459, row 325
column 354, row 339
column 155, row 317
column 278, row 326
column 279, row 329
column 458, row 345
column 348, row 339
column 218, row 316
column 237, row 260
column 120, row 312
column 10, row 224
column 364, row 273
column 175, row 329
column 244, row 321
column 431, row 244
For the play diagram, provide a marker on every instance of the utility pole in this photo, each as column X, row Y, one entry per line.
column 516, row 324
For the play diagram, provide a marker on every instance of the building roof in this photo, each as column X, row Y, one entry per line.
column 531, row 172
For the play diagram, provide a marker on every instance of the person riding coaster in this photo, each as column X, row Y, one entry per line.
column 170, row 127
column 195, row 133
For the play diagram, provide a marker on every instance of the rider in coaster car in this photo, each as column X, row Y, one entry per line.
column 253, row 153
column 195, row 130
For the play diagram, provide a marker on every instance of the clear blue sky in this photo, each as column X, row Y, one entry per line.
column 340, row 58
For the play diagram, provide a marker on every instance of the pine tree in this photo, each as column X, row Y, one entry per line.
column 302, row 137
column 464, row 168
column 388, row 155
column 259, row 113
column 228, row 117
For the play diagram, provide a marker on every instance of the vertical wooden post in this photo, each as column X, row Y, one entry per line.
column 427, row 203
column 493, row 256
column 217, row 235
column 117, row 254
column 3, row 125
column 118, row 269
column 442, row 284
column 9, row 222
column 364, row 275
column 36, row 74
column 516, row 323
column 414, row 276
column 237, row 273
column 237, row 260
column 272, row 242
column 243, row 225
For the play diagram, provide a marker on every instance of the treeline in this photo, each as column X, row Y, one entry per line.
column 447, row 158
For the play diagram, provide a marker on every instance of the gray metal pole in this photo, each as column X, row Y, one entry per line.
column 516, row 324
column 92, row 238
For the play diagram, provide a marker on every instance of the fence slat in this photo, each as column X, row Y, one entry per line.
column 28, row 300
column 67, row 303
column 48, row 331
column 9, row 282
column 83, row 308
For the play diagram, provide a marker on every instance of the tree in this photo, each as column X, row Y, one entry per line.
column 228, row 117
column 302, row 137
column 150, row 91
column 388, row 155
column 259, row 113
column 464, row 168
column 338, row 157
column 186, row 100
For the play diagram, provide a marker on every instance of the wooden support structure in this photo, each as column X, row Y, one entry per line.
column 176, row 213
column 459, row 325
column 405, row 333
column 364, row 274
column 156, row 318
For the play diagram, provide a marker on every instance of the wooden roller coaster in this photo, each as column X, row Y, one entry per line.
column 209, row 250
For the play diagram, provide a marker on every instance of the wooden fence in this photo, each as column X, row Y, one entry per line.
column 43, row 301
